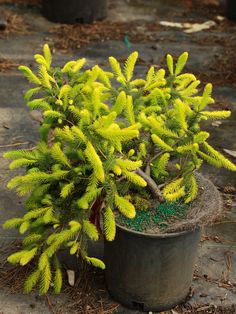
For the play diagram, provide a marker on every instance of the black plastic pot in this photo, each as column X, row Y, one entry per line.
column 231, row 9
column 74, row 11
column 150, row 272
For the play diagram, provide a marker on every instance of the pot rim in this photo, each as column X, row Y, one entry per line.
column 158, row 235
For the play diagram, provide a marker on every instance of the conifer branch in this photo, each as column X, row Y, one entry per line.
column 151, row 184
column 148, row 166
column 148, row 169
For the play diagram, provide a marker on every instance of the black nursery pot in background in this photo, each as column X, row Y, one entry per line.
column 150, row 272
column 74, row 11
column 231, row 9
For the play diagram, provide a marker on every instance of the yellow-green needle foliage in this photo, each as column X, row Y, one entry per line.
column 102, row 145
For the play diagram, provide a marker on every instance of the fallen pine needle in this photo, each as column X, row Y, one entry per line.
column 50, row 304
column 14, row 144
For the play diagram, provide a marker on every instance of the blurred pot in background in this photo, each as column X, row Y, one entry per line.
column 231, row 9
column 74, row 11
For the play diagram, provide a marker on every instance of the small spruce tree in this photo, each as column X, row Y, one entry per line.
column 100, row 146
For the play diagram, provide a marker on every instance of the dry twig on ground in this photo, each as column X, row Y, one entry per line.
column 6, row 65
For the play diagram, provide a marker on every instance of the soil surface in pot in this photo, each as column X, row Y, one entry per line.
column 155, row 219
column 174, row 217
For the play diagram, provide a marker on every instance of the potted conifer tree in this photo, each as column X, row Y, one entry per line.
column 74, row 11
column 119, row 162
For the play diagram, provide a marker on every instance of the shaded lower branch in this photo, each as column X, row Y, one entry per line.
column 151, row 184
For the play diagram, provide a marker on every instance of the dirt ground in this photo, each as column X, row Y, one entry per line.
column 131, row 25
